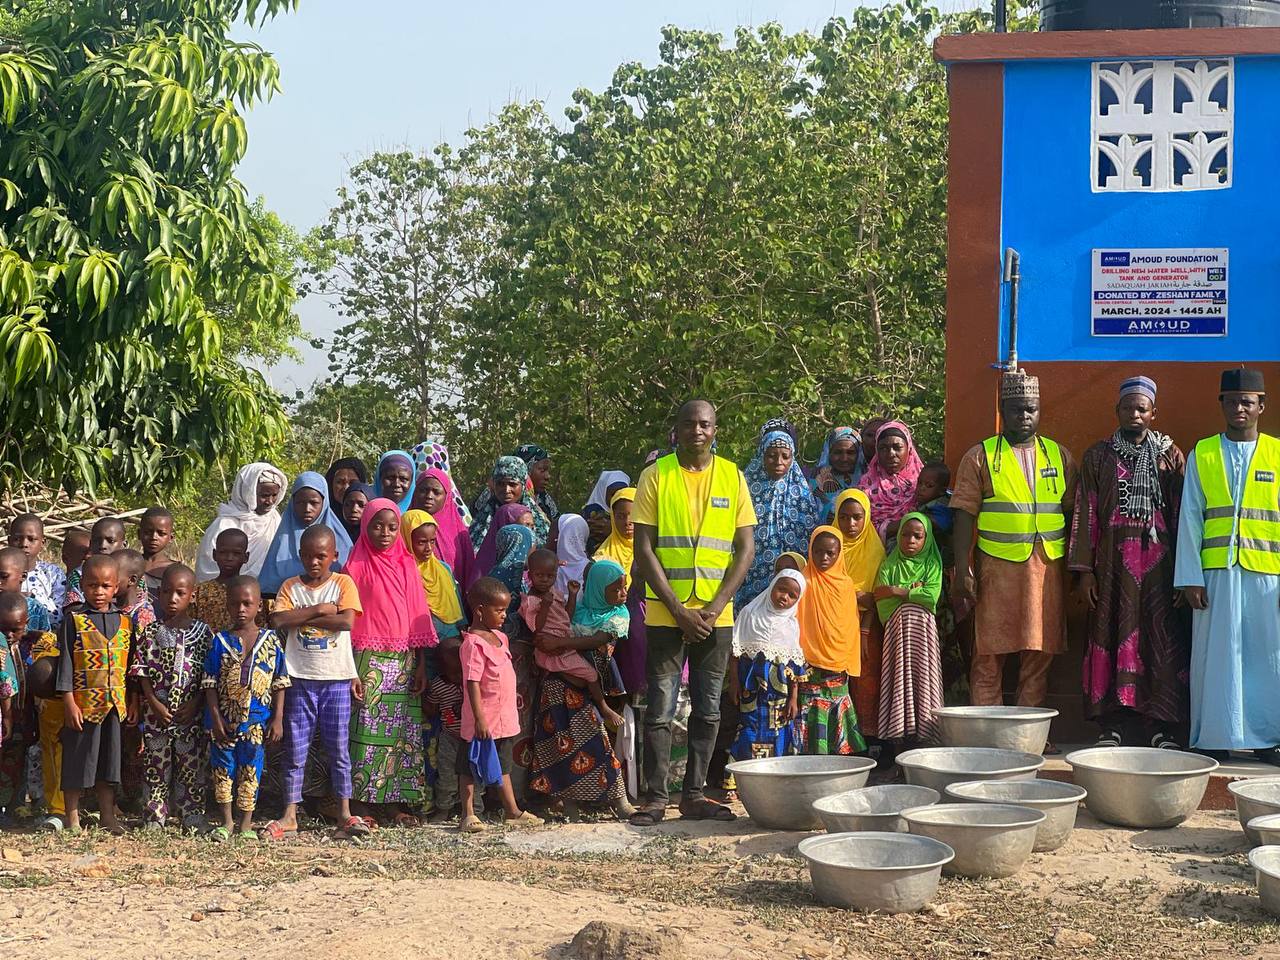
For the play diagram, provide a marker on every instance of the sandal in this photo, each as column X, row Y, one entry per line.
column 472, row 824
column 220, row 835
column 649, row 816
column 1110, row 738
column 353, row 828
column 1162, row 741
column 1051, row 750
column 406, row 821
column 707, row 810
column 526, row 819
column 274, row 833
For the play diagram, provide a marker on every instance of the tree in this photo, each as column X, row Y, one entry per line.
column 410, row 244
column 128, row 251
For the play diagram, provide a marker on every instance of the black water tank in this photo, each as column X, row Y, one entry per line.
column 1153, row 14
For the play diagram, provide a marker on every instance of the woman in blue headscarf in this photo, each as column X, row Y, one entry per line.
column 840, row 467
column 786, row 512
column 396, row 478
column 308, row 505
column 509, row 483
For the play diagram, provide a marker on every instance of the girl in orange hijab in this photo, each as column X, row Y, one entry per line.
column 863, row 553
column 831, row 641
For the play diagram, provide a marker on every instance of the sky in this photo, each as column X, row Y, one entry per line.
column 386, row 74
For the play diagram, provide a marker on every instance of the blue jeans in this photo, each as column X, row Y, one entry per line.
column 667, row 652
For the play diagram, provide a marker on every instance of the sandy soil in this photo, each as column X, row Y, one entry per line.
column 729, row 890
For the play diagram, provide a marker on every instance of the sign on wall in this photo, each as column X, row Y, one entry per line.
column 1160, row 292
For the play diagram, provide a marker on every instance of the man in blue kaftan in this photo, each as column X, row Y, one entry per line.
column 1228, row 569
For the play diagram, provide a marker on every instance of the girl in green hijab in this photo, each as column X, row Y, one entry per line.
column 907, row 591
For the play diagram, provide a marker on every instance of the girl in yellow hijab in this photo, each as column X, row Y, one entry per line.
column 863, row 554
column 419, row 528
column 620, row 545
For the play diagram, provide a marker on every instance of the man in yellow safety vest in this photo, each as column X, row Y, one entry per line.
column 1228, row 569
column 694, row 543
column 1014, row 491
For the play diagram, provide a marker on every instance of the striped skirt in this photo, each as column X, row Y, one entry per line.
column 910, row 675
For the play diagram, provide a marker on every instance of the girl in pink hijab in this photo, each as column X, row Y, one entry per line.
column 435, row 494
column 890, row 480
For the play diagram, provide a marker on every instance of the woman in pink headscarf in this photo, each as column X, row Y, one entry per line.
column 435, row 494
column 890, row 480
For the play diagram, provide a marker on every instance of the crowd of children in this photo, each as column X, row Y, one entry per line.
column 401, row 651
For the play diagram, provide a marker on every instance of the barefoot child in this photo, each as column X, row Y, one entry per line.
column 444, row 700
column 93, row 656
column 44, row 582
column 167, row 663
column 230, row 554
column 489, row 707
column 907, row 592
column 155, row 534
column 244, row 683
column 769, row 665
column 315, row 612
column 545, row 612
column 831, row 640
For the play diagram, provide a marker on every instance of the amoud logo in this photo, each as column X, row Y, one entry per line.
column 1118, row 258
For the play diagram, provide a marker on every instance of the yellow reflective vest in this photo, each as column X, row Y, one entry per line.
column 695, row 561
column 1257, row 537
column 1014, row 517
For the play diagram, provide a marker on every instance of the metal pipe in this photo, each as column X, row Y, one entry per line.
column 1002, row 16
column 1013, row 277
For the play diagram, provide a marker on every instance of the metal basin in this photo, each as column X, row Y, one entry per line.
column 1059, row 802
column 874, row 809
column 892, row 872
column 1004, row 728
column 1255, row 798
column 939, row 767
column 1141, row 787
column 1266, row 828
column 779, row 792
column 990, row 839
column 1266, row 868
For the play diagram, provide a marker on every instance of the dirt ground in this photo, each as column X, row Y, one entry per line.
column 727, row 890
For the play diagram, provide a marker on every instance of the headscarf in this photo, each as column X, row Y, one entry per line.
column 395, row 614
column 531, row 453
column 239, row 513
column 829, row 630
column 863, row 554
column 353, row 529
column 284, row 557
column 432, row 454
column 761, row 628
column 797, row 556
column 437, row 581
column 593, row 612
column 900, row 570
column 508, row 513
column 827, row 483
column 571, row 549
column 407, row 458
column 514, row 543
column 600, row 492
column 786, row 514
column 616, row 547
column 452, row 539
column 892, row 495
column 354, row 464
column 486, row 505
column 783, row 424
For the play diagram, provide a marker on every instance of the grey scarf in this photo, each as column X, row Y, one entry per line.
column 1140, row 495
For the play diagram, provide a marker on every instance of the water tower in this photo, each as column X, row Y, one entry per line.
column 1111, row 211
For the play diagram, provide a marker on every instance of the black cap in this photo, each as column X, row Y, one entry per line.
column 1242, row 380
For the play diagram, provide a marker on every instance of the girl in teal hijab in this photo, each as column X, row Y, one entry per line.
column 907, row 591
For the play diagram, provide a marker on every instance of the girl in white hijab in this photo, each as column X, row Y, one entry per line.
column 768, row 666
column 571, row 549
column 252, row 507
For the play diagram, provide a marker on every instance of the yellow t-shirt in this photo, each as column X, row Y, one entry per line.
column 645, row 510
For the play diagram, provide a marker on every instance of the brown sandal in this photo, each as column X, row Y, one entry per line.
column 649, row 816
column 707, row 810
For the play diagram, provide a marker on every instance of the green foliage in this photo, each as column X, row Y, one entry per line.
column 134, row 275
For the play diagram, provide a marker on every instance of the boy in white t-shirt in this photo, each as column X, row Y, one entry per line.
column 315, row 613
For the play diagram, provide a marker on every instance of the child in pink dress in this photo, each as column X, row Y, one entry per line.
column 489, row 706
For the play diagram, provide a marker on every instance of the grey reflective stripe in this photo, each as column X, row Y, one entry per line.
column 1219, row 513
column 1261, row 546
column 1209, row 543
column 1268, row 516
column 692, row 543
column 1054, row 535
column 997, row 536
column 694, row 573
column 1049, row 509
column 1003, row 506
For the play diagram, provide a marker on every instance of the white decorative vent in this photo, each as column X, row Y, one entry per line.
column 1161, row 125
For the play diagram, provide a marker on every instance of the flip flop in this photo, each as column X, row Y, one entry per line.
column 354, row 827
column 274, row 833
column 220, row 835
column 707, row 810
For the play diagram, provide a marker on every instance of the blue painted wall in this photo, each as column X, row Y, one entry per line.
column 1054, row 219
